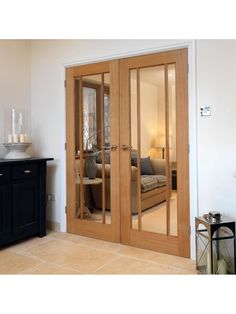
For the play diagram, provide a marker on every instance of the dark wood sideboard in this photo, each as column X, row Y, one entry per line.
column 22, row 199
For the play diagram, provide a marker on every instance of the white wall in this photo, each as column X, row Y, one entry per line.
column 14, row 80
column 216, row 77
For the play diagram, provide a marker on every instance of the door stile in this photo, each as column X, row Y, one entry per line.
column 103, row 151
column 139, row 153
column 183, row 151
column 70, row 151
column 81, row 126
column 125, row 163
column 167, row 152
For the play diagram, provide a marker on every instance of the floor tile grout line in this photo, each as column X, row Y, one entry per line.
column 107, row 263
column 29, row 255
column 87, row 246
column 114, row 258
column 154, row 262
column 52, row 263
column 11, row 249
column 44, row 262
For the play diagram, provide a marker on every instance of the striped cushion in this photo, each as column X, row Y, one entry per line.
column 149, row 183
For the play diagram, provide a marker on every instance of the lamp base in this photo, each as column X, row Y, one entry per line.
column 163, row 152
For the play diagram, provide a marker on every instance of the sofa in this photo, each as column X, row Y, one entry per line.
column 153, row 186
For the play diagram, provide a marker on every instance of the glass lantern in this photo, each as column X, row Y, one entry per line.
column 17, row 134
column 215, row 246
column 16, row 126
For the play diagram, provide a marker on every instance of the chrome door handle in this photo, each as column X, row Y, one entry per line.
column 27, row 171
column 1, row 174
column 126, row 147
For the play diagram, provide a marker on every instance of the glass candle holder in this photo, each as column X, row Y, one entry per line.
column 17, row 135
column 16, row 126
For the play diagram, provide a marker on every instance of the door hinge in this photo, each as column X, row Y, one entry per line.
column 65, row 146
column 65, row 209
column 65, row 83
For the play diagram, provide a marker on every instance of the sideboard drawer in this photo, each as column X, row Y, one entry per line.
column 24, row 171
column 5, row 174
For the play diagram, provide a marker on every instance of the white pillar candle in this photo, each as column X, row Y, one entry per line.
column 15, row 138
column 22, row 138
column 222, row 267
column 9, row 138
column 27, row 139
column 13, row 131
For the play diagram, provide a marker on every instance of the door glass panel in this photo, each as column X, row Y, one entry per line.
column 92, row 144
column 172, row 149
column 148, row 128
column 134, row 150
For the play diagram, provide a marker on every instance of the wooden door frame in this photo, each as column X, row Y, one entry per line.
column 110, row 232
column 179, row 245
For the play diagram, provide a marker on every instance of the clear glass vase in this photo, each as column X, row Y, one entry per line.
column 16, row 126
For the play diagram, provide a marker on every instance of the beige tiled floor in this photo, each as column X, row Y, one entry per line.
column 63, row 253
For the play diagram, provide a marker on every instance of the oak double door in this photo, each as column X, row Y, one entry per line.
column 127, row 151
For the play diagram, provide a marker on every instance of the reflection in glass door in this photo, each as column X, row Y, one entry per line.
column 92, row 142
column 149, row 187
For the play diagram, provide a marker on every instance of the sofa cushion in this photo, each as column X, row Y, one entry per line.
column 146, row 166
column 150, row 182
column 99, row 157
